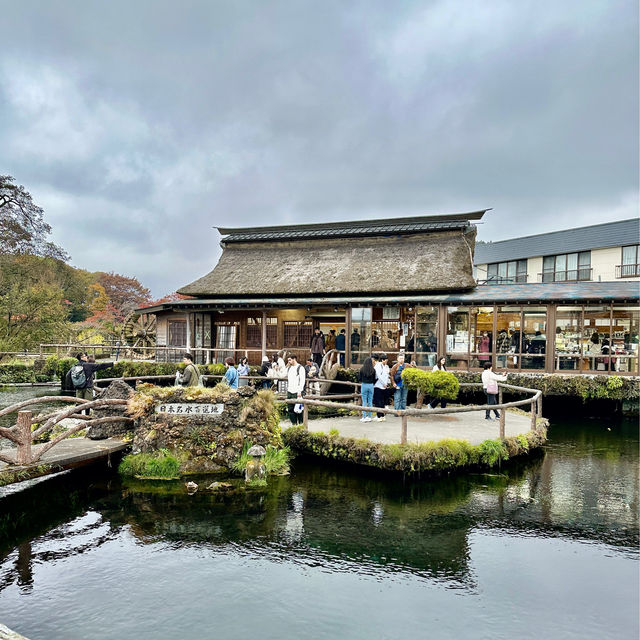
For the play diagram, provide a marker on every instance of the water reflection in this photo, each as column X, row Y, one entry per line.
column 584, row 487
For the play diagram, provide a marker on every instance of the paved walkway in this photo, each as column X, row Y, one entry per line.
column 72, row 451
column 460, row 426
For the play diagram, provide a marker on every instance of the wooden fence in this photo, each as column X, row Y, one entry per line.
column 22, row 435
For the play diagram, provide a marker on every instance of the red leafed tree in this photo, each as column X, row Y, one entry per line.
column 171, row 297
column 124, row 294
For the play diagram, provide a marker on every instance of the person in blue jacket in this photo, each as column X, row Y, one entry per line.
column 231, row 375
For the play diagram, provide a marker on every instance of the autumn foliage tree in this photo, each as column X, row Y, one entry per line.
column 124, row 294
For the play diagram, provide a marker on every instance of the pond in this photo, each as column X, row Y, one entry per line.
column 543, row 549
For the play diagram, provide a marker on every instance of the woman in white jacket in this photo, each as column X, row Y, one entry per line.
column 490, row 384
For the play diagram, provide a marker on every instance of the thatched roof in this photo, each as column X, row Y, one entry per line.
column 436, row 261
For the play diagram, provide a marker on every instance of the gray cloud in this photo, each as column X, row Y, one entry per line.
column 139, row 126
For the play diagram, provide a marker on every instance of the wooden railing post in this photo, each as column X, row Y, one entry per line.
column 533, row 415
column 540, row 406
column 305, row 416
column 503, row 422
column 23, row 454
column 403, row 433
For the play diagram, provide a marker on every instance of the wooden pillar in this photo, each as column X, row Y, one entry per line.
column 305, row 416
column 415, row 333
column 23, row 454
column 403, row 433
column 189, row 342
column 264, row 334
column 533, row 416
column 442, row 329
column 503, row 422
column 550, row 351
column 347, row 340
column 540, row 406
column 494, row 329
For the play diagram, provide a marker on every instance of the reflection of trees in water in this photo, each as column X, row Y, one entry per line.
column 324, row 516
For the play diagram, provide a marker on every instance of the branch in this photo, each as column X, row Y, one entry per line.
column 69, row 412
column 10, row 434
column 7, row 459
column 26, row 403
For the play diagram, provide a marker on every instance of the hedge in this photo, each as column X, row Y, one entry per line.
column 426, row 457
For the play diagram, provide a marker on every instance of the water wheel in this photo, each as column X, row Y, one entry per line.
column 139, row 332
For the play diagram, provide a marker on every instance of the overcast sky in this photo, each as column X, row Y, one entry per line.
column 140, row 125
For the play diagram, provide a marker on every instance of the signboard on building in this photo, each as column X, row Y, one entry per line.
column 190, row 408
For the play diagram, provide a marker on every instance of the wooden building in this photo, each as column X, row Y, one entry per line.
column 394, row 285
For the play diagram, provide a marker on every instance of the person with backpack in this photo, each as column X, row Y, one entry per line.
column 401, row 391
column 82, row 374
column 190, row 377
column 295, row 386
column 231, row 375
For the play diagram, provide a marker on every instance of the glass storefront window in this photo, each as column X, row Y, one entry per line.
column 568, row 338
column 508, row 338
column 458, row 337
column 482, row 334
column 427, row 336
column 385, row 329
column 534, row 337
column 596, row 334
column 360, row 334
column 624, row 339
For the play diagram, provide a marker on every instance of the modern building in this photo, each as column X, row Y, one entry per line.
column 407, row 285
column 607, row 252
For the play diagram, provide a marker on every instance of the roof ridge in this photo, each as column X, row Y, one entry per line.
column 310, row 226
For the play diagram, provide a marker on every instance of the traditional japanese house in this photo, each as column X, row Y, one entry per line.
column 403, row 284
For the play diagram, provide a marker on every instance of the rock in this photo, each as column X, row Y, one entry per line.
column 192, row 487
column 118, row 390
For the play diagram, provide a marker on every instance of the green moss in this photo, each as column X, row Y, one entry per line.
column 425, row 457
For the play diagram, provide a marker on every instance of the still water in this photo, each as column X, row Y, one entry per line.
column 548, row 549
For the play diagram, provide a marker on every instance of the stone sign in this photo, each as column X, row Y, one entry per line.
column 190, row 408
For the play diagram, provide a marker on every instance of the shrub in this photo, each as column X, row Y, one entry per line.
column 16, row 373
column 438, row 384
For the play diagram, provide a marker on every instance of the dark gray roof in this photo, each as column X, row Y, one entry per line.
column 569, row 292
column 598, row 236
column 389, row 226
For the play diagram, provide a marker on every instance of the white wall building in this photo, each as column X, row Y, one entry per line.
column 605, row 252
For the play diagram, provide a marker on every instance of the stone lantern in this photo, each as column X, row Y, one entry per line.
column 255, row 468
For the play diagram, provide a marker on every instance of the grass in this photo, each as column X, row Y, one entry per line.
column 275, row 460
column 160, row 464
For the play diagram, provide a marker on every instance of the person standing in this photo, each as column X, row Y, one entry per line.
column 503, row 344
column 341, row 343
column 311, row 371
column 330, row 342
column 317, row 347
column 381, row 384
column 243, row 370
column 231, row 374
column 401, row 391
column 190, row 376
column 295, row 387
column 367, row 379
column 440, row 365
column 81, row 376
column 490, row 384
column 264, row 371
column 355, row 346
